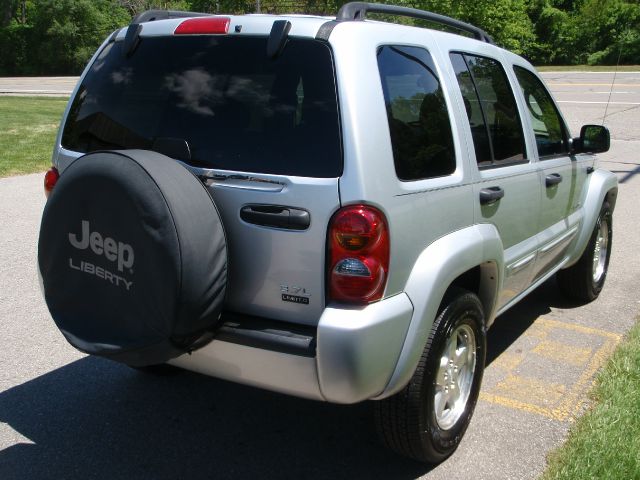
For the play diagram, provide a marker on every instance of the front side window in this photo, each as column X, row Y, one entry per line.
column 491, row 108
column 547, row 125
column 417, row 113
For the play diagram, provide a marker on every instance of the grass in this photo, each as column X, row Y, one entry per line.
column 605, row 442
column 589, row 68
column 28, row 127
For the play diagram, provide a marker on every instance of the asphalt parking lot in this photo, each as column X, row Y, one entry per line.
column 65, row 415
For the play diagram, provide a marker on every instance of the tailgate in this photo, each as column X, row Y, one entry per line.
column 276, row 233
column 263, row 133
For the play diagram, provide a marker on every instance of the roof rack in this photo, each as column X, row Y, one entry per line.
column 356, row 11
column 152, row 15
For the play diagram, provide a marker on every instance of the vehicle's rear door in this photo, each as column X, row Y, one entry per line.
column 506, row 190
column 263, row 133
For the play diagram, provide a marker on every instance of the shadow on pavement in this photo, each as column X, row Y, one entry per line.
column 508, row 327
column 93, row 419
column 625, row 175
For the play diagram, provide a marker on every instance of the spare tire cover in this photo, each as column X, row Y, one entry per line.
column 133, row 258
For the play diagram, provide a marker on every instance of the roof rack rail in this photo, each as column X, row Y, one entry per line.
column 356, row 11
column 152, row 15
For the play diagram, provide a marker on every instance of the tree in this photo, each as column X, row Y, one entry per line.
column 135, row 7
column 610, row 30
column 7, row 11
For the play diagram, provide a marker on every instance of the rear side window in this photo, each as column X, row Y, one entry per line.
column 417, row 113
column 215, row 102
column 548, row 127
column 491, row 108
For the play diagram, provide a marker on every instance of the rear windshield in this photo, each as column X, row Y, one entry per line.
column 215, row 102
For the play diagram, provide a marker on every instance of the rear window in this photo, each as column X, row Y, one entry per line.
column 419, row 124
column 215, row 102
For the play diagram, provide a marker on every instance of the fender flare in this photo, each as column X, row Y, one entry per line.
column 435, row 270
column 602, row 185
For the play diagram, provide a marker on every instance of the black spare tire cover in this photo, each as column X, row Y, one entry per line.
column 133, row 258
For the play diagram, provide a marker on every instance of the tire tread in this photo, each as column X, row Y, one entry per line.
column 396, row 417
column 576, row 282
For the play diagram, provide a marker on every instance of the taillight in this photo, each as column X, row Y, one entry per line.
column 358, row 255
column 50, row 179
column 204, row 25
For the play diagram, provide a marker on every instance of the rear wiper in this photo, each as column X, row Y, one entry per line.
column 173, row 147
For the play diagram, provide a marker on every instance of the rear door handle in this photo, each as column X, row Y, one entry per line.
column 491, row 195
column 552, row 179
column 277, row 216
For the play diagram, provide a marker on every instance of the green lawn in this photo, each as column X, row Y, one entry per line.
column 605, row 442
column 590, row 68
column 28, row 127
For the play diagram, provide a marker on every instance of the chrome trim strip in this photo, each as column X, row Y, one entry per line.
column 520, row 264
column 218, row 178
column 554, row 243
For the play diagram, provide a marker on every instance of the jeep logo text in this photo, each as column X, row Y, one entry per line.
column 112, row 250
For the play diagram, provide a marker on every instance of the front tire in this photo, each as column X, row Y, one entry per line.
column 428, row 418
column 584, row 280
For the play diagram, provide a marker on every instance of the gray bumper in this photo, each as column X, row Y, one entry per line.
column 356, row 354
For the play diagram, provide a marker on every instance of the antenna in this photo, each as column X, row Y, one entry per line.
column 615, row 73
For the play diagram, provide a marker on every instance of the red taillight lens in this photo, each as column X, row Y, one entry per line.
column 50, row 179
column 358, row 255
column 204, row 25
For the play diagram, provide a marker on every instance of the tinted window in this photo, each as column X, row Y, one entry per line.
column 235, row 108
column 547, row 124
column 491, row 108
column 472, row 106
column 417, row 113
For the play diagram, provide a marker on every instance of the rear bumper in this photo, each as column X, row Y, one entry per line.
column 356, row 351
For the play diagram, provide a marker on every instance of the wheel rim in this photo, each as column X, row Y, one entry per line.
column 455, row 376
column 600, row 251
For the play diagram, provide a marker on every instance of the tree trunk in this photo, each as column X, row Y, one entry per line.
column 7, row 9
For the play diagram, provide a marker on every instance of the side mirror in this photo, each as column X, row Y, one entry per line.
column 593, row 139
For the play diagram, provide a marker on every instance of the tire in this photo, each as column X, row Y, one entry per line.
column 584, row 280
column 132, row 253
column 408, row 422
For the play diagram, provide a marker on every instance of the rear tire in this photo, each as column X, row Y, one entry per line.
column 428, row 418
column 584, row 280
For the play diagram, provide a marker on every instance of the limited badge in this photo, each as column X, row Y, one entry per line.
column 295, row 299
column 294, row 294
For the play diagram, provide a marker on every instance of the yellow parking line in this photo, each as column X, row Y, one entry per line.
column 531, row 390
column 565, row 401
column 578, row 328
column 518, row 405
column 570, row 405
column 562, row 352
column 508, row 361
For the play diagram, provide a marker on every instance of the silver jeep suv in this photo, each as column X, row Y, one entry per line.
column 335, row 209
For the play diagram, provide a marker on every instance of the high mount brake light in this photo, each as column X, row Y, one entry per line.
column 204, row 25
column 358, row 255
column 50, row 180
